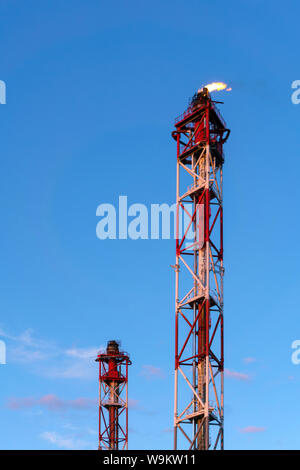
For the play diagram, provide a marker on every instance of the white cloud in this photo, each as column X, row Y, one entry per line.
column 82, row 353
column 65, row 442
column 46, row 359
column 237, row 375
column 249, row 360
column 23, row 355
column 152, row 372
column 26, row 338
column 252, row 429
column 25, row 348
column 75, row 370
column 52, row 402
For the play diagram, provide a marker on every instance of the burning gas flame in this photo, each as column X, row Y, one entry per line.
column 216, row 86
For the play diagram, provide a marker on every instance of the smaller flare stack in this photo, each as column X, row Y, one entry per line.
column 113, row 397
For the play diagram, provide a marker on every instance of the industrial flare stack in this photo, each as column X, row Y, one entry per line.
column 199, row 360
column 113, row 398
column 200, row 133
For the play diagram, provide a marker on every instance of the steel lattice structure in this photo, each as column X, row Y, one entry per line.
column 113, row 398
column 199, row 358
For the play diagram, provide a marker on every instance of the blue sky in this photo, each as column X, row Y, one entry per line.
column 92, row 92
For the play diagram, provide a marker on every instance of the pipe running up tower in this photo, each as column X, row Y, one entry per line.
column 113, row 398
column 199, row 359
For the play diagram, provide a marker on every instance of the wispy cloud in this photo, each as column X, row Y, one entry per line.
column 79, row 430
column 68, row 442
column 83, row 370
column 82, row 353
column 26, row 337
column 252, row 429
column 237, row 375
column 52, row 403
column 151, row 372
column 249, row 360
column 133, row 404
column 26, row 348
column 45, row 358
column 23, row 355
column 136, row 405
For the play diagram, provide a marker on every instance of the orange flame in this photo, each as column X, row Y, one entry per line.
column 216, row 86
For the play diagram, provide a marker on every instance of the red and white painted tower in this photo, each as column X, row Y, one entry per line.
column 113, row 398
column 199, row 360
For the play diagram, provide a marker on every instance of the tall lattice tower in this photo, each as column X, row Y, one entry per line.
column 113, row 398
column 199, row 360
